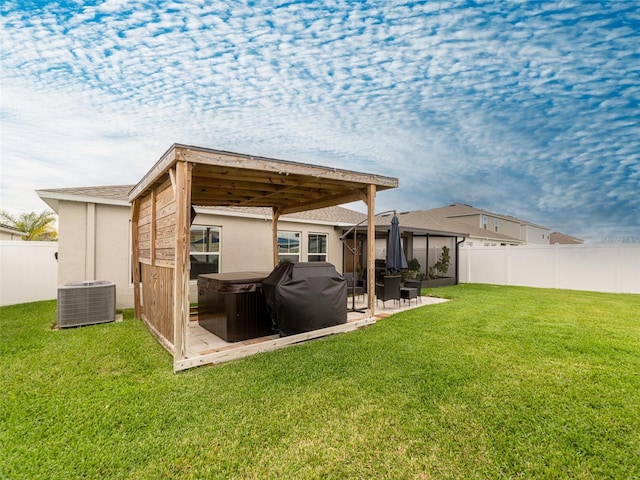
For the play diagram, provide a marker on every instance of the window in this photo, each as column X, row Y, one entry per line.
column 483, row 221
column 495, row 224
column 205, row 250
column 288, row 246
column 317, row 247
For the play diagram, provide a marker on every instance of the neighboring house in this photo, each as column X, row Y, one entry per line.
column 492, row 229
column 10, row 233
column 95, row 238
column 563, row 239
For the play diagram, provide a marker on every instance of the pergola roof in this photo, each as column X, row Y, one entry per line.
column 222, row 178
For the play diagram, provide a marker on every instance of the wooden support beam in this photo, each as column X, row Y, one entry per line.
column 154, row 227
column 172, row 177
column 181, row 264
column 274, row 224
column 371, row 249
column 135, row 214
column 329, row 201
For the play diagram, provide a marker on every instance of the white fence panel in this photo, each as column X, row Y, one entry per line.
column 28, row 271
column 599, row 268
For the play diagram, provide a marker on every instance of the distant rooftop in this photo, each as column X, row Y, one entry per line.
column 564, row 239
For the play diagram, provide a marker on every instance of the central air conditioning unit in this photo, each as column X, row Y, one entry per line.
column 86, row 303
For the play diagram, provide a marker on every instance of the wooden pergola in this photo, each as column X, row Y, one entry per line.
column 188, row 175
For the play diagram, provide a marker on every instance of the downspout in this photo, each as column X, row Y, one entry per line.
column 458, row 259
column 426, row 268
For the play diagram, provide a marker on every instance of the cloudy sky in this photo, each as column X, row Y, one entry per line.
column 528, row 108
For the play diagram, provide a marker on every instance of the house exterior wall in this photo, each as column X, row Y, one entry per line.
column 535, row 235
column 505, row 227
column 246, row 243
column 94, row 245
column 8, row 236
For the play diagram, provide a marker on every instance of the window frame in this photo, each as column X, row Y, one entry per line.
column 285, row 255
column 324, row 254
column 210, row 253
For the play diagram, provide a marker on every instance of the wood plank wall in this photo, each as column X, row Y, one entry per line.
column 157, row 294
column 165, row 231
column 144, row 230
column 156, row 249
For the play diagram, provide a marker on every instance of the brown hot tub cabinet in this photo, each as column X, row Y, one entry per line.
column 232, row 306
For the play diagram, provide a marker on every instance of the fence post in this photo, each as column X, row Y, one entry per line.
column 555, row 265
column 507, row 265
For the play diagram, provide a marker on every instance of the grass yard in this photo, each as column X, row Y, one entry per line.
column 502, row 382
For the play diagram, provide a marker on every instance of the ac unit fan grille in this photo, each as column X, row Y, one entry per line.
column 86, row 303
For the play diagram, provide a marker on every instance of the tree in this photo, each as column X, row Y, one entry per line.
column 37, row 226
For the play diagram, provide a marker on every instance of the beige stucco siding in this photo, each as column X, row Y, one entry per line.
column 94, row 241
column 505, row 227
column 10, row 236
column 535, row 235
column 72, row 238
column 112, row 250
column 94, row 245
column 246, row 243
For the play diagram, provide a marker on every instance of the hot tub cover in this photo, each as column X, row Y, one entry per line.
column 308, row 296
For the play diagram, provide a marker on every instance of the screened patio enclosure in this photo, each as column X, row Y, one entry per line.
column 422, row 244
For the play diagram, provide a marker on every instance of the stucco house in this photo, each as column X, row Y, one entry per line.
column 488, row 228
column 9, row 233
column 94, row 233
column 94, row 237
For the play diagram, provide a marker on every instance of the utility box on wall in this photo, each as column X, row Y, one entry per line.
column 86, row 303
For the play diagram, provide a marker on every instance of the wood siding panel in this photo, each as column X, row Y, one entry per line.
column 166, row 210
column 157, row 299
column 164, row 196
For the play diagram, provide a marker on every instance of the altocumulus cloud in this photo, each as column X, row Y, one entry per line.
column 525, row 108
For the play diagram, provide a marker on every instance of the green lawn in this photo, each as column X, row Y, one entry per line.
column 502, row 382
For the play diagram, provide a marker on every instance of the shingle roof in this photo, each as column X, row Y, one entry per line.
column 564, row 239
column 9, row 229
column 110, row 192
column 430, row 219
column 461, row 209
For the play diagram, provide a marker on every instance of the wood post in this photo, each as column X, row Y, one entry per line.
column 182, row 265
column 371, row 249
column 135, row 247
column 274, row 224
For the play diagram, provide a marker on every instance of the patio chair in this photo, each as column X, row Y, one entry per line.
column 413, row 284
column 351, row 289
column 389, row 289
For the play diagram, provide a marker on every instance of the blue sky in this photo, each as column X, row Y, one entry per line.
column 528, row 108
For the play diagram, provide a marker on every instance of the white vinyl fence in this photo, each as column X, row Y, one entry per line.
column 28, row 271
column 598, row 268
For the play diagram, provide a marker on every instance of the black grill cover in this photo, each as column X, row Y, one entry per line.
column 302, row 297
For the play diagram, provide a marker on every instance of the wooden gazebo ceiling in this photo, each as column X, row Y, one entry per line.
column 230, row 179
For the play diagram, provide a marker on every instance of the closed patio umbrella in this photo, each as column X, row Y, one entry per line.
column 396, row 260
